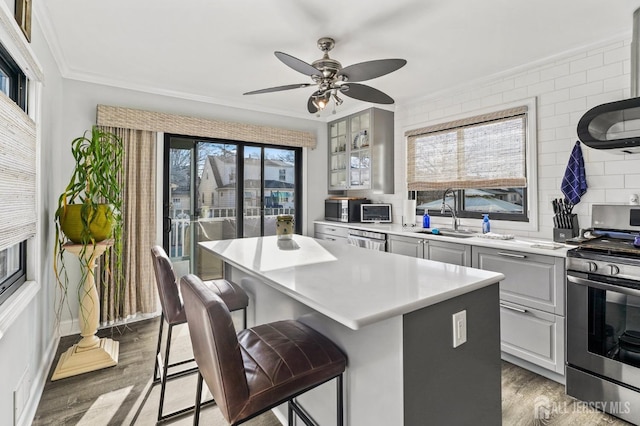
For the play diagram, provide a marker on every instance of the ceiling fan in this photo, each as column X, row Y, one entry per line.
column 330, row 78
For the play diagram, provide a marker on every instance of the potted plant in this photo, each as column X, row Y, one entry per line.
column 89, row 209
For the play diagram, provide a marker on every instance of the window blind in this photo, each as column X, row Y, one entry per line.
column 17, row 174
column 484, row 151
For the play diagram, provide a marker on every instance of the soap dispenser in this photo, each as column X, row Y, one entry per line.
column 486, row 225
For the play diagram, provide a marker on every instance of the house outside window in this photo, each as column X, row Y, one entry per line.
column 483, row 158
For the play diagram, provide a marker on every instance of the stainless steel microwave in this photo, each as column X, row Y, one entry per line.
column 343, row 209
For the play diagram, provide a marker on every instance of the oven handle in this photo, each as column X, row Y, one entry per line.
column 603, row 286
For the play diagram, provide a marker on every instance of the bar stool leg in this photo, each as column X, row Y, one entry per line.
column 289, row 414
column 165, row 369
column 156, row 378
column 196, row 412
column 340, row 402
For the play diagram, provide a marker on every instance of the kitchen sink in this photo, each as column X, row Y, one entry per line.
column 450, row 232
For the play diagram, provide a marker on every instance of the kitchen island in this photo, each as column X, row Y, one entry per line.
column 392, row 315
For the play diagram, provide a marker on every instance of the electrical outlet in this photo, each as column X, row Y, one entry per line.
column 459, row 328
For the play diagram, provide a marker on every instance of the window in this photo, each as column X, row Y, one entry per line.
column 17, row 215
column 483, row 158
column 283, row 174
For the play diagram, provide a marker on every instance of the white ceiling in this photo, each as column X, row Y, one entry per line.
column 215, row 50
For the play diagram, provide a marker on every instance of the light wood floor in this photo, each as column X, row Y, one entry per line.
column 123, row 395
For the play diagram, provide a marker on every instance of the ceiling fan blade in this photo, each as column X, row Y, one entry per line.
column 371, row 69
column 297, row 64
column 365, row 93
column 279, row 88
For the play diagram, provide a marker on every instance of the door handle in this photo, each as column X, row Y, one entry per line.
column 513, row 308
column 519, row 256
column 166, row 227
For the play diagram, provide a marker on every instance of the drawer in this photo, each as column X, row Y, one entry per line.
column 456, row 254
column 335, row 231
column 329, row 237
column 532, row 335
column 532, row 280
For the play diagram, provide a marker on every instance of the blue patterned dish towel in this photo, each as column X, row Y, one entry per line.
column 574, row 182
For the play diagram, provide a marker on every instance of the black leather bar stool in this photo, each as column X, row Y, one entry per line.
column 258, row 368
column 173, row 314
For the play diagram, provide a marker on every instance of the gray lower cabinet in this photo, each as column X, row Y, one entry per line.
column 454, row 253
column 331, row 233
column 408, row 246
column 531, row 304
column 441, row 251
column 532, row 335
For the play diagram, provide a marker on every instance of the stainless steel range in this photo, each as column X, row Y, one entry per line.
column 603, row 313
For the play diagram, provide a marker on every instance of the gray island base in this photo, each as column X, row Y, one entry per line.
column 393, row 317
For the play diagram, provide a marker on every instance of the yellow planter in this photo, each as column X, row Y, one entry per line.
column 99, row 228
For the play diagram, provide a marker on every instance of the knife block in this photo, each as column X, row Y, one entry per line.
column 561, row 235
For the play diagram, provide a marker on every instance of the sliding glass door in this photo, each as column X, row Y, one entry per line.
column 217, row 190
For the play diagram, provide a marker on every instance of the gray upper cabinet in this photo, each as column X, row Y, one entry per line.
column 361, row 152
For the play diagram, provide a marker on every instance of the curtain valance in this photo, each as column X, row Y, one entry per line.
column 128, row 118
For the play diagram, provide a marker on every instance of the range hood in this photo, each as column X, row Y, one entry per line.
column 615, row 126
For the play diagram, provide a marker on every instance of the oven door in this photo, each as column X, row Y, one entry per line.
column 603, row 319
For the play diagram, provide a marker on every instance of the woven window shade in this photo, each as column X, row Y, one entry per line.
column 128, row 118
column 486, row 151
column 17, row 174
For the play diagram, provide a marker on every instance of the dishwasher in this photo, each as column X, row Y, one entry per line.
column 368, row 239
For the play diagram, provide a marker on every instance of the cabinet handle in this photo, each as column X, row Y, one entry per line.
column 519, row 256
column 513, row 308
column 331, row 239
column 331, row 229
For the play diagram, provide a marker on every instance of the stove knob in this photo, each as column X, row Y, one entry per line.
column 592, row 266
column 614, row 270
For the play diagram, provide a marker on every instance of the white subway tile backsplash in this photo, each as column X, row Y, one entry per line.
column 558, row 120
column 623, row 166
column 584, row 90
column 619, row 54
column 515, row 94
column 573, row 105
column 542, row 87
column 608, row 71
column 607, row 181
column 632, row 181
column 587, row 63
column 527, row 79
column 614, row 83
column 565, row 89
column 555, row 71
column 553, row 97
column 571, row 80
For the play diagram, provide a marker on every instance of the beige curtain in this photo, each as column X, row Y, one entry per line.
column 138, row 293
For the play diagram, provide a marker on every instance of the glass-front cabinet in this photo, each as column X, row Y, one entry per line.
column 361, row 151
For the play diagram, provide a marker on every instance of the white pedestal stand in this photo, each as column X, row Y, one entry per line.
column 90, row 353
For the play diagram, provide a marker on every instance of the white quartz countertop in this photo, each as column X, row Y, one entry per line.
column 348, row 284
column 528, row 245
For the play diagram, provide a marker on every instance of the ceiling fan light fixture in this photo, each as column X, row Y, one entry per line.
column 331, row 78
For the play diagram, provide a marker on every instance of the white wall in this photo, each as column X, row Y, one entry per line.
column 79, row 106
column 565, row 87
column 29, row 344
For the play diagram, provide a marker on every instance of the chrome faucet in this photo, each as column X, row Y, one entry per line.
column 453, row 210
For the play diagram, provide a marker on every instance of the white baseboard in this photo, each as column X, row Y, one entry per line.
column 39, row 380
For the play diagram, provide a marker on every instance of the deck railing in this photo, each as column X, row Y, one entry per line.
column 215, row 224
